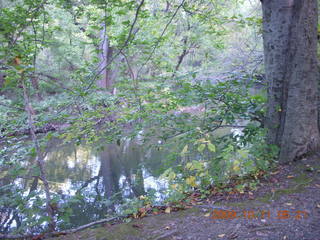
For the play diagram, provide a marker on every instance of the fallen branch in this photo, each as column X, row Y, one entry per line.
column 55, row 234
column 26, row 131
column 78, row 229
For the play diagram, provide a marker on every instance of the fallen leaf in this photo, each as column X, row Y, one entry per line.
column 318, row 206
column 290, row 176
column 285, row 237
column 168, row 210
column 289, row 204
column 318, row 185
column 274, row 180
column 207, row 214
column 274, row 173
column 251, row 193
column 221, row 235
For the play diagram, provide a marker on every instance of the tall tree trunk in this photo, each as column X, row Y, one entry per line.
column 35, row 85
column 290, row 48
column 106, row 54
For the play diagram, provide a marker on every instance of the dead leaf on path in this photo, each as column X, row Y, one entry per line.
column 221, row 235
column 318, row 185
column 274, row 173
column 289, row 204
column 251, row 193
column 168, row 210
column 207, row 214
column 318, row 206
column 290, row 176
column 274, row 180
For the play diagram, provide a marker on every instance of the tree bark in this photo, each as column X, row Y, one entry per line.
column 290, row 48
column 35, row 85
column 106, row 54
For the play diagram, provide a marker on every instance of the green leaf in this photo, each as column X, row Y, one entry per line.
column 211, row 147
column 201, row 147
column 191, row 181
column 184, row 150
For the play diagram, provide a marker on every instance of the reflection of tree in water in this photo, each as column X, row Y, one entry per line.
column 5, row 209
column 10, row 214
column 120, row 172
column 70, row 162
column 120, row 176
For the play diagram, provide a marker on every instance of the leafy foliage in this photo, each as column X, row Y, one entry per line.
column 169, row 93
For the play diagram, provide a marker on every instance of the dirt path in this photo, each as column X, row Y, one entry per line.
column 286, row 206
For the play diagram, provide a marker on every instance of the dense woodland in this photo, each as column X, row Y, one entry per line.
column 188, row 93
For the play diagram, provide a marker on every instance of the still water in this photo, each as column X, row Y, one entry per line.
column 106, row 178
column 94, row 181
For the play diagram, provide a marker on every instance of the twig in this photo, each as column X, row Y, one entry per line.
column 55, row 234
column 74, row 230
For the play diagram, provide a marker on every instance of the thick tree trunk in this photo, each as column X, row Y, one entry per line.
column 290, row 47
column 106, row 54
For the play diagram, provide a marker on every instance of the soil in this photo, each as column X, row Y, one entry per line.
column 285, row 206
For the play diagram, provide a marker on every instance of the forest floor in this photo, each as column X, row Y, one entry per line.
column 285, row 206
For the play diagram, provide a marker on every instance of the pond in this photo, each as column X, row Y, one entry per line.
column 105, row 178
column 94, row 181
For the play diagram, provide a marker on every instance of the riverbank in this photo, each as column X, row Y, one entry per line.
column 286, row 206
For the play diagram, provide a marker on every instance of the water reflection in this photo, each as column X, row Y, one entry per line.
column 105, row 179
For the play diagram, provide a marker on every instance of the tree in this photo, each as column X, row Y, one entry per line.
column 106, row 52
column 290, row 48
